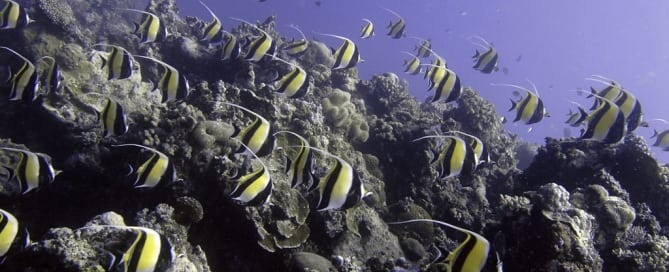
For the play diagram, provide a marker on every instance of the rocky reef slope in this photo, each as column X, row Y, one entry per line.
column 579, row 206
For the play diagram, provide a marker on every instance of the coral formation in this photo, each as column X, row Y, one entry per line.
column 568, row 205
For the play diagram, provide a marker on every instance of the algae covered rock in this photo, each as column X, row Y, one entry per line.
column 308, row 262
column 89, row 248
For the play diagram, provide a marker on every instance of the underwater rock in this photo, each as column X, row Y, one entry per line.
column 554, row 221
column 413, row 249
column 374, row 242
column 308, row 262
column 87, row 248
column 207, row 133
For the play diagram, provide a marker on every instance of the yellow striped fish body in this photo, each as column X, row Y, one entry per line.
column 230, row 48
column 32, row 171
column 480, row 151
column 423, row 50
column 25, row 82
column 118, row 62
column 605, row 124
column 213, row 31
column 347, row 55
column 576, row 119
column 367, row 30
column 300, row 168
column 448, row 87
column 396, row 29
column 486, row 62
column 151, row 29
column 341, row 188
column 610, row 92
column 12, row 239
column 662, row 139
column 470, row 255
column 255, row 136
column 253, row 189
column 456, row 158
column 412, row 66
column 530, row 109
column 295, row 83
column 259, row 47
column 156, row 171
column 296, row 47
column 13, row 16
column 434, row 72
column 172, row 84
column 53, row 77
column 147, row 251
column 631, row 108
column 113, row 119
column 626, row 101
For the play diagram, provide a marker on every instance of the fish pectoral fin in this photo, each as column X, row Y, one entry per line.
column 287, row 166
column 104, row 62
column 130, row 170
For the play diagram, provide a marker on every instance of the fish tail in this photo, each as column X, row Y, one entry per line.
column 513, row 104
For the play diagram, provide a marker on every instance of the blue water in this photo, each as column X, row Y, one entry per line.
column 554, row 44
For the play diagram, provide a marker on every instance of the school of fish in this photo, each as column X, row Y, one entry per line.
column 614, row 113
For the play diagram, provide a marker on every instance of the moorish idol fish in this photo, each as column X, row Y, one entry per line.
column 470, row 255
column 347, row 55
column 412, row 66
column 661, row 138
column 212, row 32
column 260, row 46
column 53, row 77
column 13, row 16
column 300, row 168
column 118, row 62
column 611, row 92
column 112, row 119
column 151, row 29
column 295, row 83
column 341, row 188
column 12, row 239
column 605, row 124
column 577, row 118
column 424, row 49
column 172, row 85
column 230, row 48
column 25, row 82
column 481, row 153
column 432, row 73
column 255, row 136
column 254, row 188
column 32, row 171
column 446, row 84
column 158, row 170
column 486, row 62
column 529, row 109
column 148, row 251
column 454, row 158
column 396, row 29
column 298, row 47
column 367, row 30
column 628, row 103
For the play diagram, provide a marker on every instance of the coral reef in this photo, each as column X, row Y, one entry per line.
column 568, row 205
